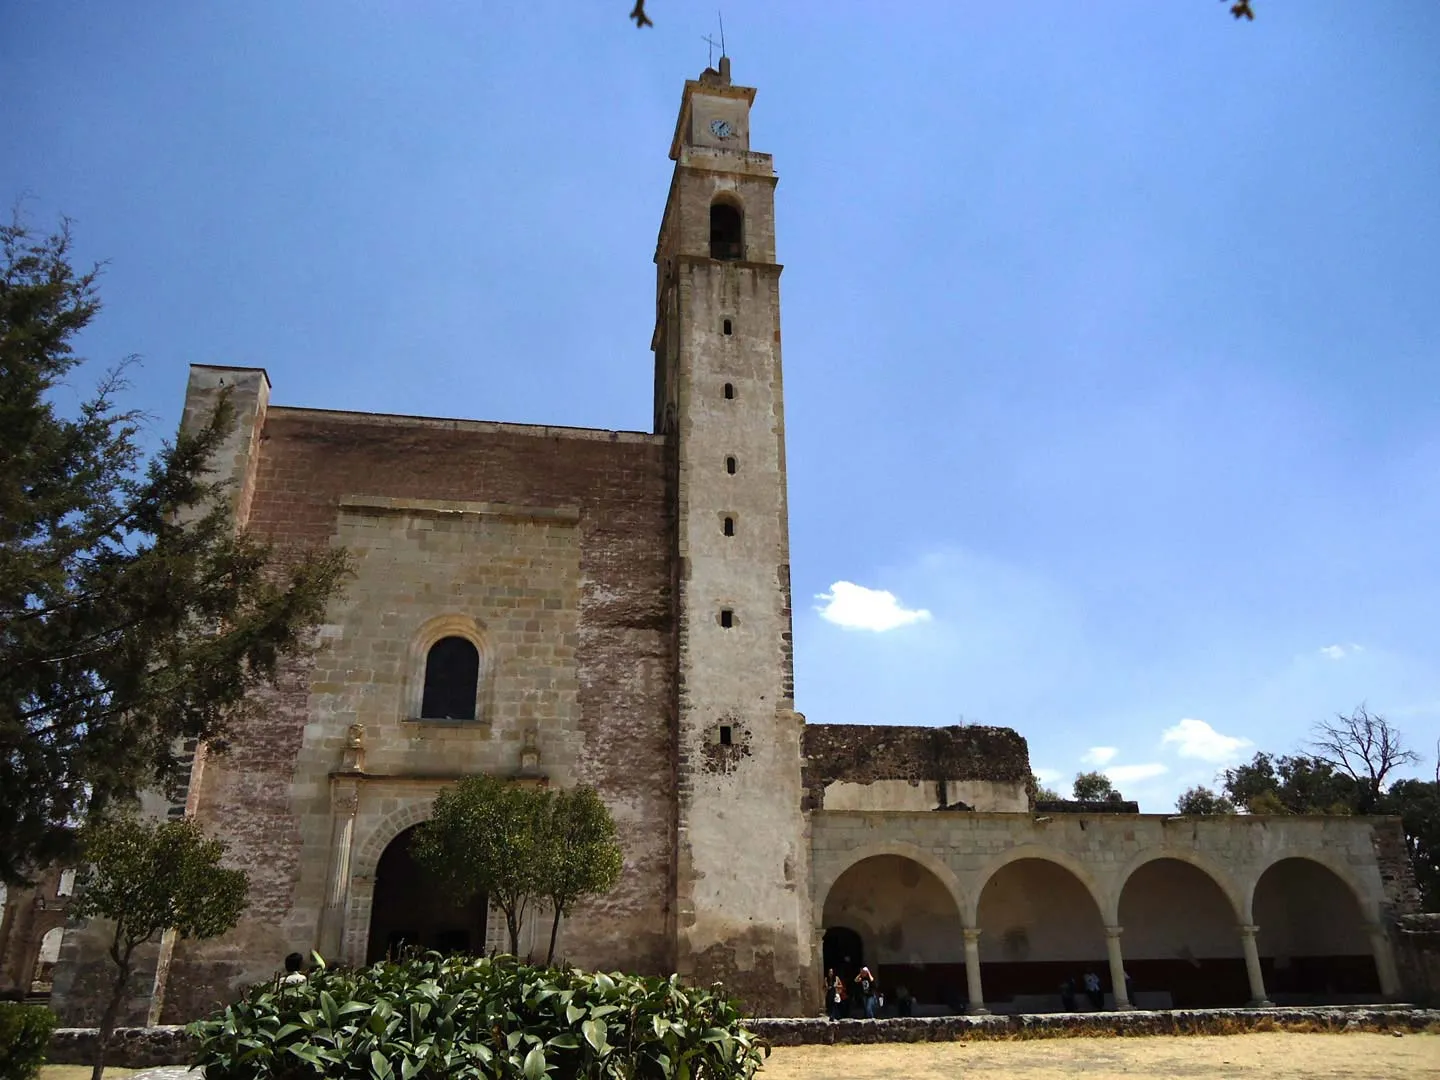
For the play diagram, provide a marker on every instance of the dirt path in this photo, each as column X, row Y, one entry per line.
column 1260, row 1056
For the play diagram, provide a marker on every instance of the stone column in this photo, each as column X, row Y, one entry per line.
column 817, row 958
column 1252, row 967
column 1117, row 967
column 345, row 803
column 1384, row 961
column 972, row 973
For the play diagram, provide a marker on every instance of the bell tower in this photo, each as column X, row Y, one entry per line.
column 742, row 906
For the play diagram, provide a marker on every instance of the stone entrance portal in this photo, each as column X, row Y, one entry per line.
column 411, row 911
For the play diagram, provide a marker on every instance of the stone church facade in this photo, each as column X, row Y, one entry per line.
column 574, row 606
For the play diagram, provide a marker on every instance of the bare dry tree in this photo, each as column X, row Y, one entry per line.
column 1365, row 747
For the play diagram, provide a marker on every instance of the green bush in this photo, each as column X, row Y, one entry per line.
column 24, row 1035
column 434, row 1017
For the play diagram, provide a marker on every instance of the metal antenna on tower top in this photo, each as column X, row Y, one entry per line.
column 713, row 45
column 716, row 44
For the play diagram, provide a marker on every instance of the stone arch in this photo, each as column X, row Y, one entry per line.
column 430, row 633
column 1182, row 943
column 410, row 909
column 1367, row 905
column 915, row 854
column 906, row 916
column 1034, row 851
column 367, row 857
column 1317, row 938
column 1226, row 883
column 361, row 894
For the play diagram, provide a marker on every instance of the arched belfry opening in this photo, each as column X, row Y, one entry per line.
column 412, row 911
column 727, row 231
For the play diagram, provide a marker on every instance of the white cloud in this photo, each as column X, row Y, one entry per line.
column 1124, row 774
column 1340, row 652
column 858, row 608
column 1099, row 755
column 1197, row 739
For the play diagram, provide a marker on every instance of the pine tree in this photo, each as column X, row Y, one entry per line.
column 132, row 615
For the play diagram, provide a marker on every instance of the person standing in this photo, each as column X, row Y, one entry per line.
column 1092, row 991
column 866, row 982
column 835, row 995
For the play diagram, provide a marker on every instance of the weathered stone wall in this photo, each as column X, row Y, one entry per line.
column 551, row 545
column 27, row 914
column 990, row 765
column 1417, row 952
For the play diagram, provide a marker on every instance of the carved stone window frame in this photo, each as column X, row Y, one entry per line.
column 434, row 630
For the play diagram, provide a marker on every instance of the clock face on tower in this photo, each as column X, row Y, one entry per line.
column 721, row 128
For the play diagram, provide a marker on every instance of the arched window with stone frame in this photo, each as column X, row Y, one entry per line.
column 449, row 673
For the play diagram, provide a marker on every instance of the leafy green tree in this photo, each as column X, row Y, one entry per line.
column 1417, row 802
column 132, row 616
column 1294, row 784
column 579, row 854
column 484, row 836
column 147, row 878
column 1044, row 793
column 1201, row 800
column 1095, row 787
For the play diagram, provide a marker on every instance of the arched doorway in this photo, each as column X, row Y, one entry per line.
column 903, row 922
column 1313, row 943
column 1039, row 926
column 46, row 958
column 411, row 910
column 1181, row 942
column 843, row 951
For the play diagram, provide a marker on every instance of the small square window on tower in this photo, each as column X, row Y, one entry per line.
column 729, row 329
column 729, row 526
column 729, row 391
column 727, row 618
column 730, row 465
column 726, row 735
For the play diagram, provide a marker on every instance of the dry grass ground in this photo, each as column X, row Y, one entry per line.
column 1268, row 1055
column 79, row 1072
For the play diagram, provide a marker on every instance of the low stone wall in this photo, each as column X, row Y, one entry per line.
column 130, row 1048
column 143, row 1048
column 813, row 1030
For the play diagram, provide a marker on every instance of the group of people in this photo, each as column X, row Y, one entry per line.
column 837, row 994
column 1090, row 983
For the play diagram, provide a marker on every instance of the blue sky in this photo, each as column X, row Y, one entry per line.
column 1111, row 331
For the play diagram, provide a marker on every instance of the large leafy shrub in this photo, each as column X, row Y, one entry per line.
column 24, row 1035
column 431, row 1017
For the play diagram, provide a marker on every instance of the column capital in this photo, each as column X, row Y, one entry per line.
column 1248, row 930
column 972, row 935
column 1114, row 931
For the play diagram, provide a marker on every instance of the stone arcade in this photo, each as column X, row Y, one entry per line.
column 613, row 608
